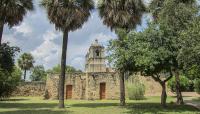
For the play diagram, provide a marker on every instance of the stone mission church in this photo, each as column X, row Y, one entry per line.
column 97, row 82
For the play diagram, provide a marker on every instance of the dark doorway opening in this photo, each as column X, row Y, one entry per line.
column 102, row 91
column 69, row 92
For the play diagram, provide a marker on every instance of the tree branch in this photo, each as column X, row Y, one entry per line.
column 157, row 78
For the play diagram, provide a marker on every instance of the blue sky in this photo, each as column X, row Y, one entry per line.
column 37, row 36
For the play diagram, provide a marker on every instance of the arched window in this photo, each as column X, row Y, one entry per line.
column 97, row 53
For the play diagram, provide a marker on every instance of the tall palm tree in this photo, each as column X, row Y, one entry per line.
column 67, row 15
column 123, row 14
column 12, row 12
column 25, row 62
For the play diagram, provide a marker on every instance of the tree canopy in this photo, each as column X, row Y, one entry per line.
column 69, row 69
column 38, row 73
column 25, row 62
column 10, row 75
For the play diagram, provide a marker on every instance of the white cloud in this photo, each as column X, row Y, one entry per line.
column 24, row 28
column 78, row 62
column 48, row 51
column 103, row 38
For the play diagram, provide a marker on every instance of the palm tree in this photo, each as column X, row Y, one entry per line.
column 67, row 15
column 123, row 14
column 12, row 12
column 25, row 62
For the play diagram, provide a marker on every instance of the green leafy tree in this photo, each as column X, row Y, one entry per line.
column 186, row 84
column 9, row 81
column 7, row 54
column 197, row 85
column 121, row 14
column 150, row 55
column 38, row 73
column 9, row 74
column 12, row 12
column 25, row 62
column 189, row 54
column 67, row 15
column 69, row 69
column 173, row 17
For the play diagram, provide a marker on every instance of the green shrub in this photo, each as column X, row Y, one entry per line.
column 8, row 82
column 185, row 83
column 197, row 85
column 136, row 91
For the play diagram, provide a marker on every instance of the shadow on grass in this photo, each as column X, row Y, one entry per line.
column 141, row 108
column 27, row 105
column 14, row 99
column 196, row 99
column 36, row 112
column 156, row 108
column 95, row 105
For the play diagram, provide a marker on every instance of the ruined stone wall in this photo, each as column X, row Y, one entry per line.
column 85, row 86
column 30, row 89
column 93, row 85
column 78, row 82
column 52, row 86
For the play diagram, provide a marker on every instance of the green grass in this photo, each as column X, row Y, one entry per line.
column 35, row 105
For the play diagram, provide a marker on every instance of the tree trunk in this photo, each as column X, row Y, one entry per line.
column 178, row 88
column 1, row 31
column 25, row 75
column 63, row 66
column 163, row 95
column 122, row 89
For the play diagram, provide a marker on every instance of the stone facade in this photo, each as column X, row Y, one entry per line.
column 98, row 81
column 94, row 81
column 30, row 89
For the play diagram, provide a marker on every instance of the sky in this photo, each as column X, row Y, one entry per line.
column 36, row 35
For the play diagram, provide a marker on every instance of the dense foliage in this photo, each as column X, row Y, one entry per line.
column 125, row 14
column 186, row 85
column 69, row 69
column 197, row 86
column 38, row 73
column 9, row 74
column 156, row 51
column 25, row 62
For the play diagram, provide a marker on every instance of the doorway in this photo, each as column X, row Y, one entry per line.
column 69, row 92
column 102, row 91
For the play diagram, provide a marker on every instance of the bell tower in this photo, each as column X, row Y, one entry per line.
column 95, row 58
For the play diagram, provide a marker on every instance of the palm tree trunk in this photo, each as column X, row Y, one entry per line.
column 1, row 31
column 63, row 66
column 24, row 74
column 163, row 95
column 178, row 88
column 122, row 89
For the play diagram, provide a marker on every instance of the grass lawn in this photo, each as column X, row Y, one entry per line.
column 35, row 105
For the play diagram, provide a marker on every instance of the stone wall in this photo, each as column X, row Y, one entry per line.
column 94, row 80
column 78, row 83
column 85, row 85
column 77, row 80
column 30, row 89
column 52, row 86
